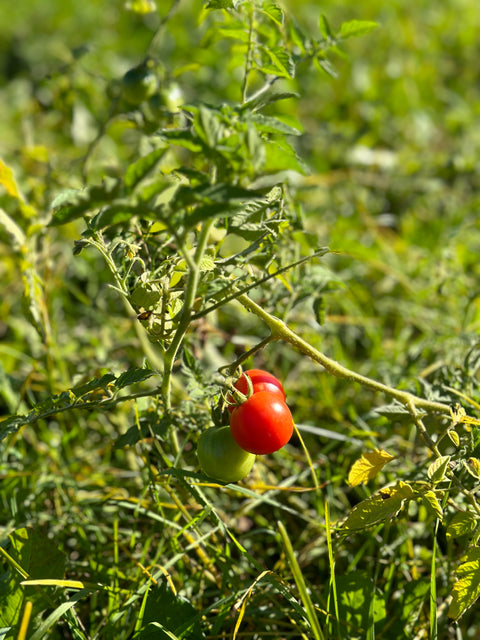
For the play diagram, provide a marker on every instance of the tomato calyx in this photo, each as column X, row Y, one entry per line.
column 250, row 382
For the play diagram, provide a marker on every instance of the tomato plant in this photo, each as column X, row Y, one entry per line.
column 221, row 458
column 262, row 424
column 261, row 381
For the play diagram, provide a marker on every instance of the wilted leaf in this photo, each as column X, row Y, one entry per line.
column 367, row 467
column 467, row 589
column 382, row 505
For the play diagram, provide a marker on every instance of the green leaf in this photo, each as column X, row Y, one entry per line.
column 37, row 557
column 133, row 376
column 325, row 28
column 165, row 611
column 382, row 505
column 358, row 600
column 463, row 523
column 265, row 99
column 432, row 504
column 268, row 124
column 275, row 12
column 436, row 471
column 73, row 204
column 138, row 170
column 220, row 4
column 467, row 589
column 354, row 28
column 282, row 63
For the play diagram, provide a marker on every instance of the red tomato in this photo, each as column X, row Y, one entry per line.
column 261, row 381
column 262, row 424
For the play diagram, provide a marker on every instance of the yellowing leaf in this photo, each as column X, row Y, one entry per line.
column 467, row 589
column 7, row 180
column 473, row 467
column 382, row 505
column 367, row 467
column 142, row 7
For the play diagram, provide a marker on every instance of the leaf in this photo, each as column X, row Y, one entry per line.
column 432, row 504
column 275, row 12
column 463, row 523
column 325, row 28
column 138, row 170
column 354, row 28
column 467, row 589
column 72, row 203
column 436, row 471
column 220, row 4
column 165, row 611
column 13, row 230
column 133, row 376
column 268, row 124
column 8, row 181
column 265, row 99
column 34, row 555
column 382, row 505
column 358, row 601
column 141, row 7
column 473, row 467
column 368, row 466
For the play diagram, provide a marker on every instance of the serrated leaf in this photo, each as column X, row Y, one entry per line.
column 354, row 28
column 467, row 589
column 73, row 204
column 473, row 467
column 133, row 376
column 282, row 63
column 138, row 170
column 436, row 471
column 382, row 505
column 368, row 466
column 432, row 504
column 268, row 124
column 274, row 11
column 463, row 523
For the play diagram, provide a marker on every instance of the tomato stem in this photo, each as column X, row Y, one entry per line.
column 281, row 331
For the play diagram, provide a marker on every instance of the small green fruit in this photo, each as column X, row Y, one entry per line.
column 221, row 458
column 139, row 84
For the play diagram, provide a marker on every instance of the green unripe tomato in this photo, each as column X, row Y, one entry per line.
column 139, row 84
column 221, row 458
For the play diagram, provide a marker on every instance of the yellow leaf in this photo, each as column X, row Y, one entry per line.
column 47, row 582
column 7, row 180
column 367, row 467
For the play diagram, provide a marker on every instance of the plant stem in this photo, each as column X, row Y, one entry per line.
column 186, row 314
column 281, row 331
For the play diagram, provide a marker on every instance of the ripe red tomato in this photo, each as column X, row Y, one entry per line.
column 221, row 458
column 261, row 381
column 262, row 424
